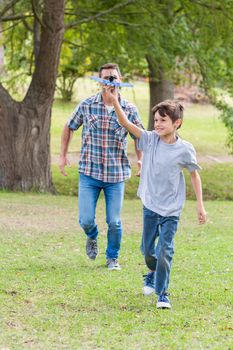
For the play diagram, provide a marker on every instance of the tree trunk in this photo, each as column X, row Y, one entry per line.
column 160, row 88
column 1, row 52
column 25, row 126
column 36, row 32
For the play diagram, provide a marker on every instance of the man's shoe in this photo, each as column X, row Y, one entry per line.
column 149, row 283
column 91, row 248
column 163, row 302
column 113, row 264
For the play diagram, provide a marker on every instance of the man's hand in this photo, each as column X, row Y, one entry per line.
column 201, row 214
column 63, row 161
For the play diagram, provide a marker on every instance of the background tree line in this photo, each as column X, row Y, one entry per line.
column 48, row 44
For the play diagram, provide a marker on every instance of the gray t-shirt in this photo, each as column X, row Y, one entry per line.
column 162, row 183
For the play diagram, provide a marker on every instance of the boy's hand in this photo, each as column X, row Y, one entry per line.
column 111, row 93
column 201, row 214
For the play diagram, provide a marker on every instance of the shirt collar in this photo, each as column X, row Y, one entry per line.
column 98, row 99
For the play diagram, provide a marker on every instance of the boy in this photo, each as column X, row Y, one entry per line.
column 162, row 189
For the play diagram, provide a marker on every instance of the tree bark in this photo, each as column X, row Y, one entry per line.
column 160, row 88
column 1, row 52
column 25, row 126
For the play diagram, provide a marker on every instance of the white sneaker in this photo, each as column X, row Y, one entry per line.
column 149, row 283
column 146, row 290
column 113, row 264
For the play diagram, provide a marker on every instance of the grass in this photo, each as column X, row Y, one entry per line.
column 53, row 297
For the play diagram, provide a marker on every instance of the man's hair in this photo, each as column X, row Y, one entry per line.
column 110, row 66
column 171, row 108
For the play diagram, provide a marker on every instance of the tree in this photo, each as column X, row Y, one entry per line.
column 133, row 33
column 24, row 126
column 1, row 52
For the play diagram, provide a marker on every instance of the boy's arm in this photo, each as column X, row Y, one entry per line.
column 65, row 141
column 196, row 183
column 123, row 120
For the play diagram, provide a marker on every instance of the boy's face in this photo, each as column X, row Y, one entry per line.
column 164, row 126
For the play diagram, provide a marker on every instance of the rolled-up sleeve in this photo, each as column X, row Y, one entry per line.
column 76, row 119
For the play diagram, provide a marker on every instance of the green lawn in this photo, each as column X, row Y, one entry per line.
column 53, row 297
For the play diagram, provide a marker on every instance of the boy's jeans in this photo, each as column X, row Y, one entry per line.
column 88, row 194
column 161, row 230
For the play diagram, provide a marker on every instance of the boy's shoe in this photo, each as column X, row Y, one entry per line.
column 149, row 283
column 163, row 302
column 113, row 264
column 91, row 248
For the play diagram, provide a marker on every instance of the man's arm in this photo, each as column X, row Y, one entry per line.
column 65, row 141
column 196, row 183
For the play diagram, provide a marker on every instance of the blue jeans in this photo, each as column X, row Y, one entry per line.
column 158, row 246
column 88, row 194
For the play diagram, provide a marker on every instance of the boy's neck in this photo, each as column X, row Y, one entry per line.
column 172, row 138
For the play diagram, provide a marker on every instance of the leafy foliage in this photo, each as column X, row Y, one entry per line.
column 191, row 41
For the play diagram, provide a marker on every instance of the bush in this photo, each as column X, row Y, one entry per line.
column 216, row 182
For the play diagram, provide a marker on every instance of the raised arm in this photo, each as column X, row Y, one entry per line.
column 196, row 183
column 123, row 120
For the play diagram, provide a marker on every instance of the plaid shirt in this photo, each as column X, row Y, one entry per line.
column 104, row 144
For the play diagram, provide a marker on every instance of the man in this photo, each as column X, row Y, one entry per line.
column 103, row 163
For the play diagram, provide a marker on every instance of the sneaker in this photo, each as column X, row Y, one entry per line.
column 113, row 264
column 149, row 283
column 163, row 302
column 91, row 248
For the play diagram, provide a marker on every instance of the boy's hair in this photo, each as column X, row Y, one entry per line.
column 110, row 66
column 171, row 108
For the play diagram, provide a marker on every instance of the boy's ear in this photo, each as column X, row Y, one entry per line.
column 178, row 123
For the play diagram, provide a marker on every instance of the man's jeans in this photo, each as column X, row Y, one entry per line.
column 88, row 194
column 158, row 246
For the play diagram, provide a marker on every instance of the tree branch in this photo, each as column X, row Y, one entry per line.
column 121, row 22
column 4, row 95
column 34, row 9
column 14, row 17
column 99, row 14
column 213, row 7
column 8, row 7
column 26, row 25
column 12, row 26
